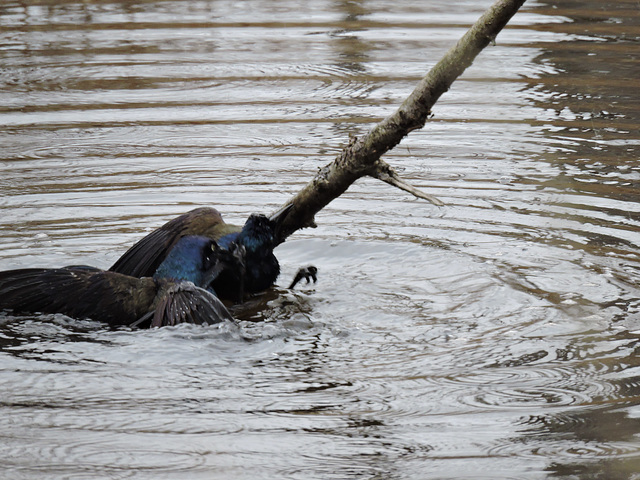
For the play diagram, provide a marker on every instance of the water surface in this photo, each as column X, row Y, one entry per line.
column 495, row 337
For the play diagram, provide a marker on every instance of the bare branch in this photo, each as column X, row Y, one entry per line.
column 360, row 156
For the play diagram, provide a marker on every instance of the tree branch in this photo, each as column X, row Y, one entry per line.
column 362, row 155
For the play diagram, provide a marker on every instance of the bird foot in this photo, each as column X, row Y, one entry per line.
column 308, row 273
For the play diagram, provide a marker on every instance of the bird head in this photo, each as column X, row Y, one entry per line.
column 261, row 233
column 191, row 259
column 257, row 234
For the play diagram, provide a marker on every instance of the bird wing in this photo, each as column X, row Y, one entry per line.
column 185, row 303
column 146, row 255
column 79, row 292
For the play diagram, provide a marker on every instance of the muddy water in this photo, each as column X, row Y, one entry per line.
column 495, row 337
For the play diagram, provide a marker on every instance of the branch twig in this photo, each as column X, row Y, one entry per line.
column 385, row 172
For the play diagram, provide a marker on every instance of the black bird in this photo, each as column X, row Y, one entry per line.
column 253, row 243
column 179, row 291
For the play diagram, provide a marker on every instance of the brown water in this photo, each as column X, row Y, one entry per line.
column 496, row 337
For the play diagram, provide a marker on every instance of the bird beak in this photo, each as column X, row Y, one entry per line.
column 278, row 219
column 279, row 216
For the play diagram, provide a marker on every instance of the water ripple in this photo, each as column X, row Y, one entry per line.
column 495, row 337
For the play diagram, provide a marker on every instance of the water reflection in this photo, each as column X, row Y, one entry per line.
column 591, row 115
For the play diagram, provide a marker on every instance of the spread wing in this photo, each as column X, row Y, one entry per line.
column 145, row 256
column 87, row 292
column 185, row 303
column 79, row 292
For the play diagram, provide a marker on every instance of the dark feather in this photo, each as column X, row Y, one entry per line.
column 108, row 297
column 186, row 303
column 169, row 298
column 78, row 292
column 256, row 271
column 145, row 256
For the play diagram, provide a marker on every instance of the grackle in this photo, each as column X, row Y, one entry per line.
column 179, row 290
column 253, row 244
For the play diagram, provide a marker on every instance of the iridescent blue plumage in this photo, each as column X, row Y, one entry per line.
column 180, row 290
column 227, row 240
column 255, row 269
column 187, row 260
